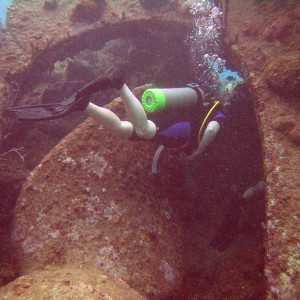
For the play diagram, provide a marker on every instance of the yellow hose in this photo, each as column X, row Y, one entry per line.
column 205, row 119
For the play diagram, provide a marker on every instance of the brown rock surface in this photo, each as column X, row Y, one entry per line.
column 283, row 74
column 93, row 202
column 281, row 157
column 68, row 283
column 294, row 134
column 251, row 54
column 279, row 29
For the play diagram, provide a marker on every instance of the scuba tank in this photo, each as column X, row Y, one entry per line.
column 156, row 100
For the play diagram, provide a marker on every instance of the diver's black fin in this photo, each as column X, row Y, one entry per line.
column 114, row 80
column 77, row 102
column 43, row 111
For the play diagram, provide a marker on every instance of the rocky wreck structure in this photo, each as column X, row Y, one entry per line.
column 91, row 220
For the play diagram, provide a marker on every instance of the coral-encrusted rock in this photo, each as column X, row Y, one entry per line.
column 283, row 123
column 294, row 134
column 67, row 283
column 283, row 74
column 93, row 202
column 288, row 124
column 50, row 4
column 86, row 11
column 297, row 13
column 250, row 29
column 281, row 157
column 279, row 29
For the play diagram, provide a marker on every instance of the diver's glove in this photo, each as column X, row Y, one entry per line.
column 76, row 102
column 252, row 190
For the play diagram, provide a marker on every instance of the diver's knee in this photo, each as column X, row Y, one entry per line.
column 147, row 132
column 125, row 130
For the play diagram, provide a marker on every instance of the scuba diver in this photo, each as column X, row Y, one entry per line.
column 192, row 124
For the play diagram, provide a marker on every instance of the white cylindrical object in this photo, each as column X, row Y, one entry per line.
column 180, row 98
column 155, row 159
column 155, row 100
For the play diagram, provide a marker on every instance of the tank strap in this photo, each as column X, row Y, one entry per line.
column 199, row 92
column 216, row 103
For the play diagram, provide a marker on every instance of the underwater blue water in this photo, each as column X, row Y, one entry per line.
column 227, row 72
column 229, row 79
column 4, row 4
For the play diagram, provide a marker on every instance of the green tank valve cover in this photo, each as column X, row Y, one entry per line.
column 153, row 100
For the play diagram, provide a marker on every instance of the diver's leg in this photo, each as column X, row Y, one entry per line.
column 144, row 128
column 109, row 120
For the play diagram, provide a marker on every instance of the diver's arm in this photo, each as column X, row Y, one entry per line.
column 143, row 127
column 209, row 135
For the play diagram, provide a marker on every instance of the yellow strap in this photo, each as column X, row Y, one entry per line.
column 205, row 119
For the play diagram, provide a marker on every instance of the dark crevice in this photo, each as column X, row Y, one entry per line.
column 225, row 233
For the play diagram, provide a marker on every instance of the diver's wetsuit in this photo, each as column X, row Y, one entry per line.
column 178, row 131
column 174, row 130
